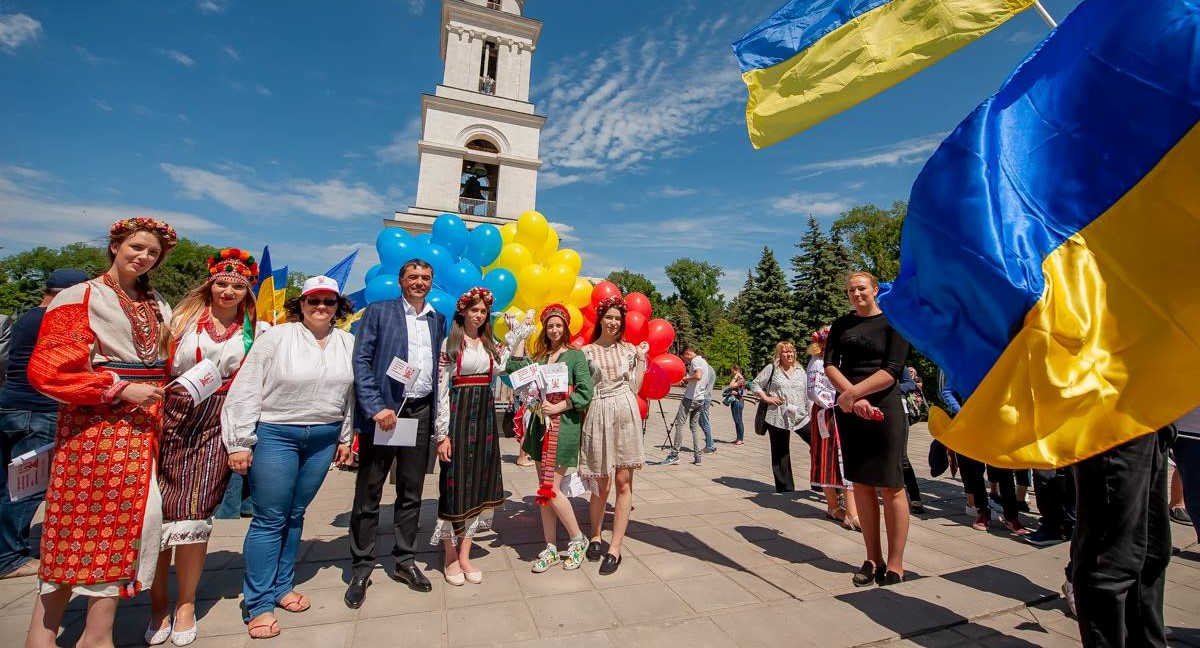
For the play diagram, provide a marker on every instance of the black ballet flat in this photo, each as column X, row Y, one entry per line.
column 594, row 551
column 865, row 574
column 610, row 564
column 892, row 578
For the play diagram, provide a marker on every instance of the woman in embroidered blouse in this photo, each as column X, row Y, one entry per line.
column 825, row 443
column 99, row 352
column 215, row 321
column 288, row 414
column 468, row 446
column 611, row 441
column 555, row 431
column 783, row 386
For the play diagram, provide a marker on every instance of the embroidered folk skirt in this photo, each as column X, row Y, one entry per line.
column 612, row 434
column 470, row 484
column 193, row 469
column 826, row 451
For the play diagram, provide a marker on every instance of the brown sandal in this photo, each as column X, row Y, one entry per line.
column 851, row 522
column 272, row 630
column 296, row 605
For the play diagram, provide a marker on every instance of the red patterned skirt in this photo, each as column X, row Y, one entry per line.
column 826, row 449
column 193, row 466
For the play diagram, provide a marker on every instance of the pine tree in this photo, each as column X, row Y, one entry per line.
column 678, row 316
column 819, row 270
column 768, row 313
column 735, row 311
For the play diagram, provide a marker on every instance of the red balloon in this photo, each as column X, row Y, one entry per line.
column 643, row 407
column 602, row 291
column 635, row 327
column 639, row 303
column 660, row 334
column 655, row 384
column 581, row 340
column 672, row 365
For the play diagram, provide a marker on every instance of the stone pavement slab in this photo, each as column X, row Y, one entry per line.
column 713, row 558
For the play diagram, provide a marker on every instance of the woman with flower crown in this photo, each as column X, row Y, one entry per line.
column 468, row 445
column 214, row 322
column 100, row 353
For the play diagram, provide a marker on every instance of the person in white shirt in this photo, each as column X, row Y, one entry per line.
column 693, row 410
column 288, row 414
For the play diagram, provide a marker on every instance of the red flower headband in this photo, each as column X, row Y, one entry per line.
column 556, row 310
column 144, row 224
column 469, row 297
column 616, row 301
column 232, row 263
column 821, row 335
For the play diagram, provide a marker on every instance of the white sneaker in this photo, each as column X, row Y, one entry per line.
column 1068, row 591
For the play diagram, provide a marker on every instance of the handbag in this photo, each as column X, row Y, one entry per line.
column 760, row 414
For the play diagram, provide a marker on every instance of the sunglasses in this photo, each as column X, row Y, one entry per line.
column 315, row 301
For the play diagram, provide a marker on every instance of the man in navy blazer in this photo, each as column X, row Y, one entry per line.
column 409, row 329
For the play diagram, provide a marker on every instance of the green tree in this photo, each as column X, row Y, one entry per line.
column 818, row 280
column 698, row 285
column 183, row 269
column 681, row 320
column 629, row 281
column 767, row 311
column 873, row 237
column 295, row 280
column 735, row 311
column 729, row 345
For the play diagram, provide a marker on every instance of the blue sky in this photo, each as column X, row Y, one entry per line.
column 295, row 124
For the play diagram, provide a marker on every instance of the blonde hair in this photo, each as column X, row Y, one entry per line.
column 187, row 313
column 782, row 346
column 862, row 273
column 814, row 349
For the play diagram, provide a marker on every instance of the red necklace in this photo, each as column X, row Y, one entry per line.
column 143, row 319
column 209, row 324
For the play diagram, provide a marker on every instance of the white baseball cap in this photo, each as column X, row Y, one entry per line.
column 318, row 283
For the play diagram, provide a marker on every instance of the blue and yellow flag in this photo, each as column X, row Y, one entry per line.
column 812, row 59
column 1049, row 255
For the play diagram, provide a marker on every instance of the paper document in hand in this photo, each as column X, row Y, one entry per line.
column 201, row 381
column 556, row 378
column 29, row 474
column 404, row 434
column 524, row 376
column 402, row 372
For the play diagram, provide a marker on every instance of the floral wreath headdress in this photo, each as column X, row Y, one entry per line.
column 144, row 224
column 233, row 264
column 469, row 297
column 616, row 301
column 821, row 335
column 556, row 310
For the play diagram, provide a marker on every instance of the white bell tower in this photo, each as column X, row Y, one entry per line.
column 480, row 135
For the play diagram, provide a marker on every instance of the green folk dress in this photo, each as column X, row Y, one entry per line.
column 570, row 421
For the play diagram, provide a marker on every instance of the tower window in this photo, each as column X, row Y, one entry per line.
column 494, row 4
column 487, row 68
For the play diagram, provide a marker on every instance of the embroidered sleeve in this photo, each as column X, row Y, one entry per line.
column 441, row 426
column 61, row 367
column 639, row 370
column 820, row 390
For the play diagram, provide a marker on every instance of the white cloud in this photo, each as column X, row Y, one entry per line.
column 667, row 191
column 213, row 6
column 139, row 109
column 1025, row 37
column 811, row 204
column 647, row 97
column 178, row 57
column 566, row 233
column 91, row 59
column 184, row 119
column 416, row 6
column 904, row 152
column 231, row 53
column 334, row 198
column 403, row 147
column 262, row 90
column 17, row 29
column 103, row 105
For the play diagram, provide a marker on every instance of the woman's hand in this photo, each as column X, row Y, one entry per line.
column 551, row 409
column 141, row 394
column 444, row 449
column 342, row 455
column 643, row 348
column 239, row 462
column 863, row 408
column 772, row 400
column 845, row 402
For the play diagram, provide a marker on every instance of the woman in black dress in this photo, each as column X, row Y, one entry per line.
column 863, row 359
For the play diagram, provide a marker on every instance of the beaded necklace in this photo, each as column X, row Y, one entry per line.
column 144, row 319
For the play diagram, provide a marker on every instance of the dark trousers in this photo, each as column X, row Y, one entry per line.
column 910, row 476
column 781, row 456
column 1187, row 460
column 1122, row 543
column 1055, row 492
column 1006, row 479
column 973, row 482
column 374, row 464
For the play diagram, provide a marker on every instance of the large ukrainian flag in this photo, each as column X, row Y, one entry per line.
column 812, row 59
column 1051, row 253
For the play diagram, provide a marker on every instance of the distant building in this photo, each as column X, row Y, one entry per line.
column 479, row 132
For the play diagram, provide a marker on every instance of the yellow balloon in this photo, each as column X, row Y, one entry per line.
column 532, row 230
column 568, row 257
column 581, row 294
column 576, row 324
column 514, row 257
column 507, row 233
column 549, row 248
column 561, row 281
column 500, row 328
column 533, row 284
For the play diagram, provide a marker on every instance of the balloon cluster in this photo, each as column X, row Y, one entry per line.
column 544, row 274
column 663, row 369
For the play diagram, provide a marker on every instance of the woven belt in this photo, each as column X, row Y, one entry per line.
column 135, row 372
column 471, row 381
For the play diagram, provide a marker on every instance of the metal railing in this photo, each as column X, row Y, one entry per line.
column 477, row 207
column 487, row 85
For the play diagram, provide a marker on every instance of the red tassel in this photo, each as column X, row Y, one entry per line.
column 545, row 493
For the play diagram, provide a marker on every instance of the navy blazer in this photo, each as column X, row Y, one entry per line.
column 383, row 335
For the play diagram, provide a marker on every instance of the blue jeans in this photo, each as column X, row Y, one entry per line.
column 736, row 408
column 1187, row 459
column 20, row 432
column 289, row 464
column 705, row 424
column 233, row 505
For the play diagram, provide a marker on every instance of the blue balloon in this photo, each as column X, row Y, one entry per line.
column 462, row 277
column 425, row 238
column 393, row 245
column 440, row 260
column 503, row 285
column 383, row 288
column 483, row 245
column 373, row 272
column 451, row 233
column 441, row 302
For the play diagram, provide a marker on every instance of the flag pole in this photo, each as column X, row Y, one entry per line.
column 1044, row 14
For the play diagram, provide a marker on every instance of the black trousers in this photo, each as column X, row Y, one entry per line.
column 1055, row 493
column 973, row 482
column 1122, row 543
column 910, row 475
column 374, row 464
column 1006, row 479
column 781, row 456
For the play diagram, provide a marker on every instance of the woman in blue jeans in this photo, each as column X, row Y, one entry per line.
column 287, row 416
column 737, row 402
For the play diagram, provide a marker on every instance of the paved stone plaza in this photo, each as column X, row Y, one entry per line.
column 714, row 558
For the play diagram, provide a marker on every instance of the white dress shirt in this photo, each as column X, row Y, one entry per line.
column 290, row 380
column 420, row 349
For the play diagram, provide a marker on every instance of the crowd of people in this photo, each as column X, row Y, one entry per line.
column 141, row 463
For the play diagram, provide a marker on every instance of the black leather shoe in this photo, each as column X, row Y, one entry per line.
column 892, row 578
column 594, row 551
column 411, row 576
column 610, row 564
column 357, row 592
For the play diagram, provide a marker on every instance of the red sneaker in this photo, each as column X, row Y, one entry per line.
column 1016, row 528
column 982, row 522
